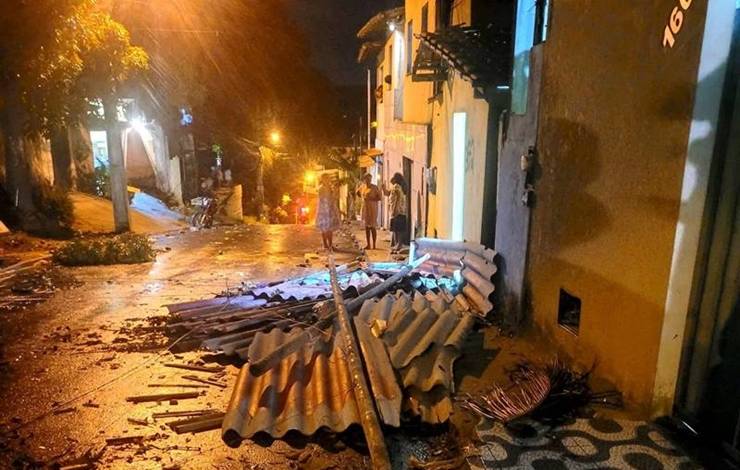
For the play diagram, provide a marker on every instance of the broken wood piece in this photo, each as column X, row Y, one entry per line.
column 181, row 414
column 361, row 389
column 204, row 381
column 123, row 440
column 138, row 421
column 71, row 409
column 177, row 386
column 195, row 368
column 163, row 397
column 198, row 424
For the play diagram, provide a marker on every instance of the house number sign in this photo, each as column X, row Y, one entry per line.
column 675, row 22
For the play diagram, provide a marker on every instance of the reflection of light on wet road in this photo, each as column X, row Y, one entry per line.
column 157, row 267
column 152, row 287
column 276, row 242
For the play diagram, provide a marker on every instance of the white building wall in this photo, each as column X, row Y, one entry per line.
column 458, row 96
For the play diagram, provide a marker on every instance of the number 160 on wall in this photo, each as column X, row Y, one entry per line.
column 675, row 22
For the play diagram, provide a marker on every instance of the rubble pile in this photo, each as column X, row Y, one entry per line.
column 31, row 281
column 409, row 320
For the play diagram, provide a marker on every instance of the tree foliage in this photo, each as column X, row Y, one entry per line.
column 56, row 54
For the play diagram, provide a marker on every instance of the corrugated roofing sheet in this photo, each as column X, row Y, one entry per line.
column 229, row 325
column 316, row 286
column 297, row 395
column 472, row 262
column 423, row 334
column 308, row 390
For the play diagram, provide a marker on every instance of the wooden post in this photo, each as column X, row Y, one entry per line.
column 360, row 387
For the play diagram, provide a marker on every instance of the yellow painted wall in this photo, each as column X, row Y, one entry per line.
column 416, row 95
column 613, row 134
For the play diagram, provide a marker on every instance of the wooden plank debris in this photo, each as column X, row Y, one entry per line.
column 163, row 397
column 204, row 381
column 209, row 369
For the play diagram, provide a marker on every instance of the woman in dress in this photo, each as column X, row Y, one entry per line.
column 327, row 215
column 399, row 219
column 370, row 197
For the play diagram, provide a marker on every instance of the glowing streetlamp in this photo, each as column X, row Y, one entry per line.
column 275, row 137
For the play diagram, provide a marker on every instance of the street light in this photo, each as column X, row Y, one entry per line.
column 275, row 137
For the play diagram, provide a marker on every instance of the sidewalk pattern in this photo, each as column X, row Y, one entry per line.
column 582, row 444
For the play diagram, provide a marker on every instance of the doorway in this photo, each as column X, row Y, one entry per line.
column 408, row 175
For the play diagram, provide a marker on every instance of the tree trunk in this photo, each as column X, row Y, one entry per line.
column 118, row 184
column 61, row 154
column 18, row 172
column 81, row 152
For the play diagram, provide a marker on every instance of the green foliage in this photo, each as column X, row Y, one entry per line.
column 96, row 183
column 128, row 248
column 54, row 203
column 56, row 54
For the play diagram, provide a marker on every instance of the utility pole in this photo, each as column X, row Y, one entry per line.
column 118, row 183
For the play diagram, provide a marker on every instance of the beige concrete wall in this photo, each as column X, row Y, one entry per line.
column 458, row 96
column 613, row 132
column 415, row 95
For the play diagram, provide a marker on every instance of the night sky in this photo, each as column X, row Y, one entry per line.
column 332, row 26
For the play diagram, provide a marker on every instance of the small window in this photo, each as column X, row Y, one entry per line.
column 410, row 47
column 569, row 312
column 425, row 18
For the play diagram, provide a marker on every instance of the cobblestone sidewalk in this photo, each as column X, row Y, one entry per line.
column 583, row 444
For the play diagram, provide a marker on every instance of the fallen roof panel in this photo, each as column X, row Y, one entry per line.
column 309, row 389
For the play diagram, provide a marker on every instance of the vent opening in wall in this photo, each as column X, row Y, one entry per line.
column 569, row 312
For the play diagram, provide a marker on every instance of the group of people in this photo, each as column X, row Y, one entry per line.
column 328, row 218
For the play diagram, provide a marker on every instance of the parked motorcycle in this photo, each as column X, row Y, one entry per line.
column 205, row 212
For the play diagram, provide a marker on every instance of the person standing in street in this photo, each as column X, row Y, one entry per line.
column 370, row 197
column 399, row 218
column 327, row 214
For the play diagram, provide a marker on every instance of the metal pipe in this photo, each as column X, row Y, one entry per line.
column 361, row 390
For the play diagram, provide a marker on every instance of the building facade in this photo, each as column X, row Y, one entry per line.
column 604, row 173
column 618, row 208
column 437, row 123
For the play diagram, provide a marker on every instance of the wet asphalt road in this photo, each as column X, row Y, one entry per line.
column 83, row 351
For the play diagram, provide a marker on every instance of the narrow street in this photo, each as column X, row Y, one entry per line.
column 369, row 234
column 70, row 363
column 91, row 346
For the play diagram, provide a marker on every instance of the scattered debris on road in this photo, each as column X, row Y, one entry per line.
column 410, row 321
